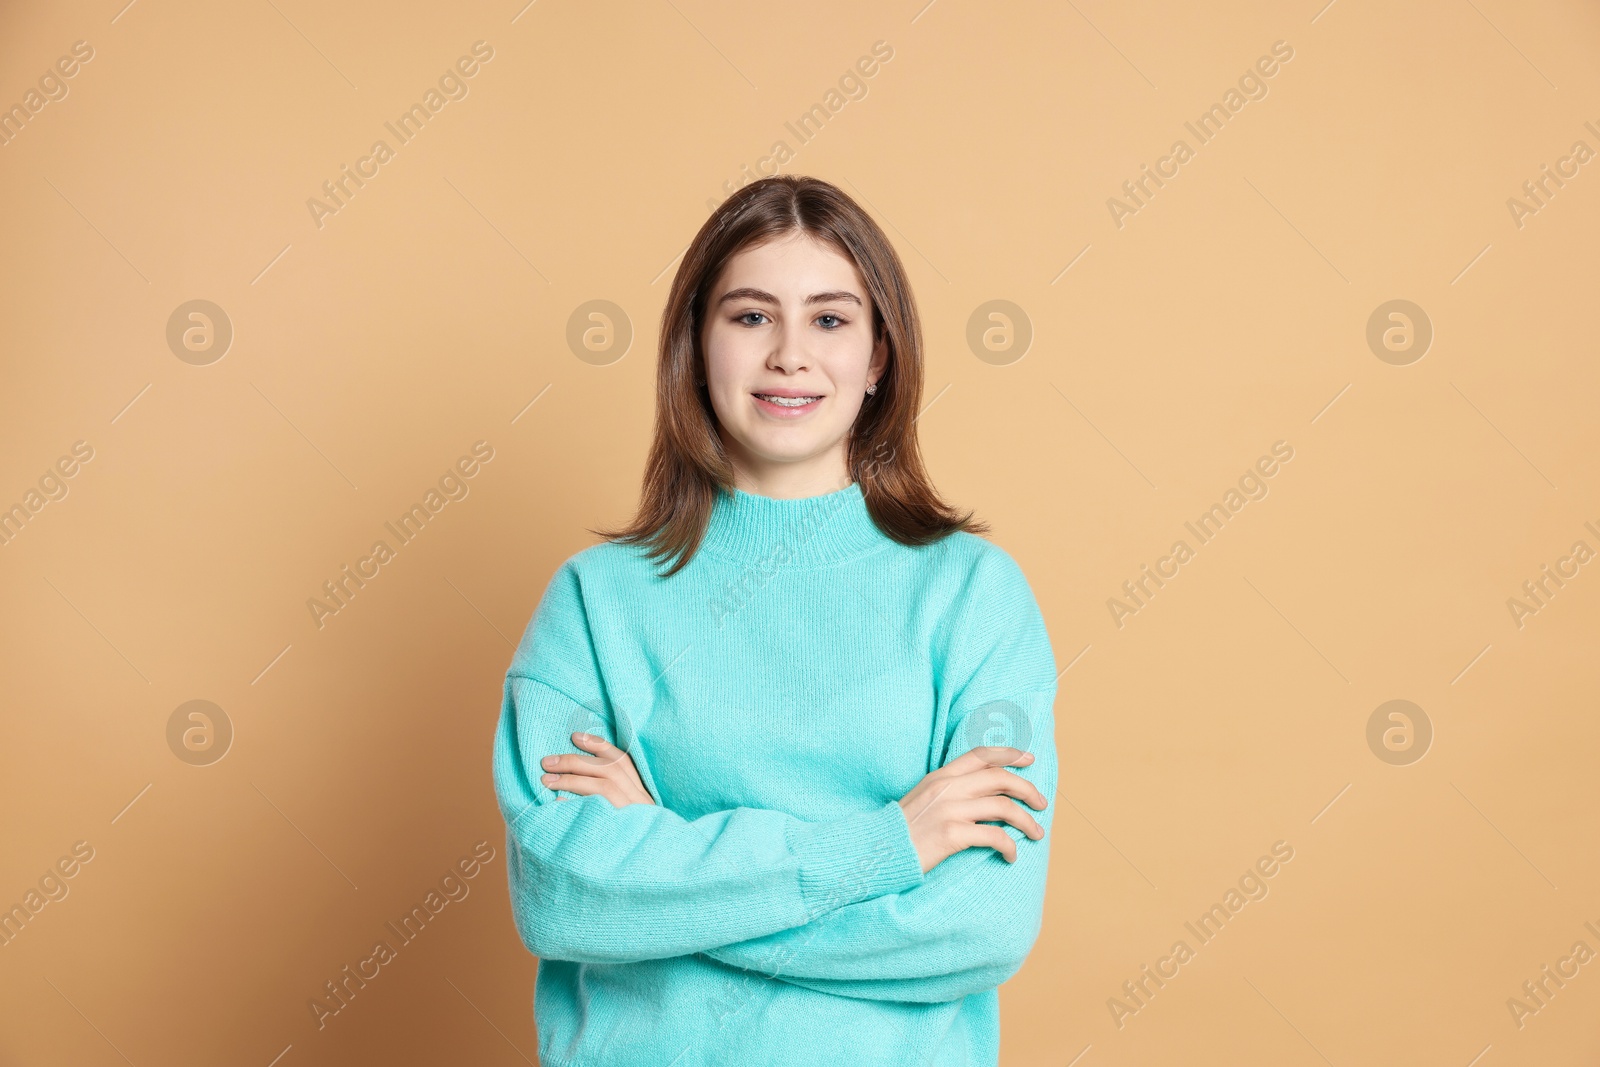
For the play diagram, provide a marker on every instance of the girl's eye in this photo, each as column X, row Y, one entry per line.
column 836, row 321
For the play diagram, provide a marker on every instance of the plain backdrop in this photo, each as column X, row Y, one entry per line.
column 498, row 277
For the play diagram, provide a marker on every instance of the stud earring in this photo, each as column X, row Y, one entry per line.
column 873, row 388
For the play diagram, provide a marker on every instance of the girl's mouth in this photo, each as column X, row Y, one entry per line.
column 786, row 406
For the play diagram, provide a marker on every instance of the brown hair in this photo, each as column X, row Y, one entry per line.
column 687, row 463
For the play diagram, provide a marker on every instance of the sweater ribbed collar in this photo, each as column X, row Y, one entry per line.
column 804, row 531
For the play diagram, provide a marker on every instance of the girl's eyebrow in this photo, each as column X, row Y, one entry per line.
column 748, row 293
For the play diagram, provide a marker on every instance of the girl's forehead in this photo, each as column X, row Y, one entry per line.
column 796, row 264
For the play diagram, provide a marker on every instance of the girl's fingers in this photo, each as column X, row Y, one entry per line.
column 609, row 772
column 998, row 780
column 596, row 766
column 586, row 786
column 988, row 756
column 608, row 754
column 988, row 780
column 602, row 748
column 594, row 778
column 573, row 764
column 595, row 785
column 582, row 784
column 985, row 836
column 1002, row 809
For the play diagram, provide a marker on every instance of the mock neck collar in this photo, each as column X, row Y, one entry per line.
column 804, row 531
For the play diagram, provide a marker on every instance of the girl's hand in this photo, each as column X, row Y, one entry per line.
column 609, row 773
column 947, row 809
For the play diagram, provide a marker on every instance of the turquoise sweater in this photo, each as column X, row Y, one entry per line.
column 778, row 696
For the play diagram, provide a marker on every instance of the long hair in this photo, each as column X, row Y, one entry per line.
column 687, row 463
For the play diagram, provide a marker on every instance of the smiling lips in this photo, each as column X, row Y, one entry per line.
column 787, row 403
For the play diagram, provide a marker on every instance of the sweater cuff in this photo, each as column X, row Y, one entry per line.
column 861, row 856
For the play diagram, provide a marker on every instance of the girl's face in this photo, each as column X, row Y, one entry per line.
column 789, row 319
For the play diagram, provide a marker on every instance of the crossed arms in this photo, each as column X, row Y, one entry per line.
column 843, row 906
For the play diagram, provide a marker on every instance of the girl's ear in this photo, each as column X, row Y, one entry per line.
column 880, row 355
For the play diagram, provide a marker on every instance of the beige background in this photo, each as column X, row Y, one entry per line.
column 1228, row 313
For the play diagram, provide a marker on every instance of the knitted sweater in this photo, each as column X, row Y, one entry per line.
column 778, row 696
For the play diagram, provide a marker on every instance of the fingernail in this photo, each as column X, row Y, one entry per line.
column 548, row 778
column 548, row 761
column 582, row 737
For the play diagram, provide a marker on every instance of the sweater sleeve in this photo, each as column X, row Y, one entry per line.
column 971, row 923
column 592, row 883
